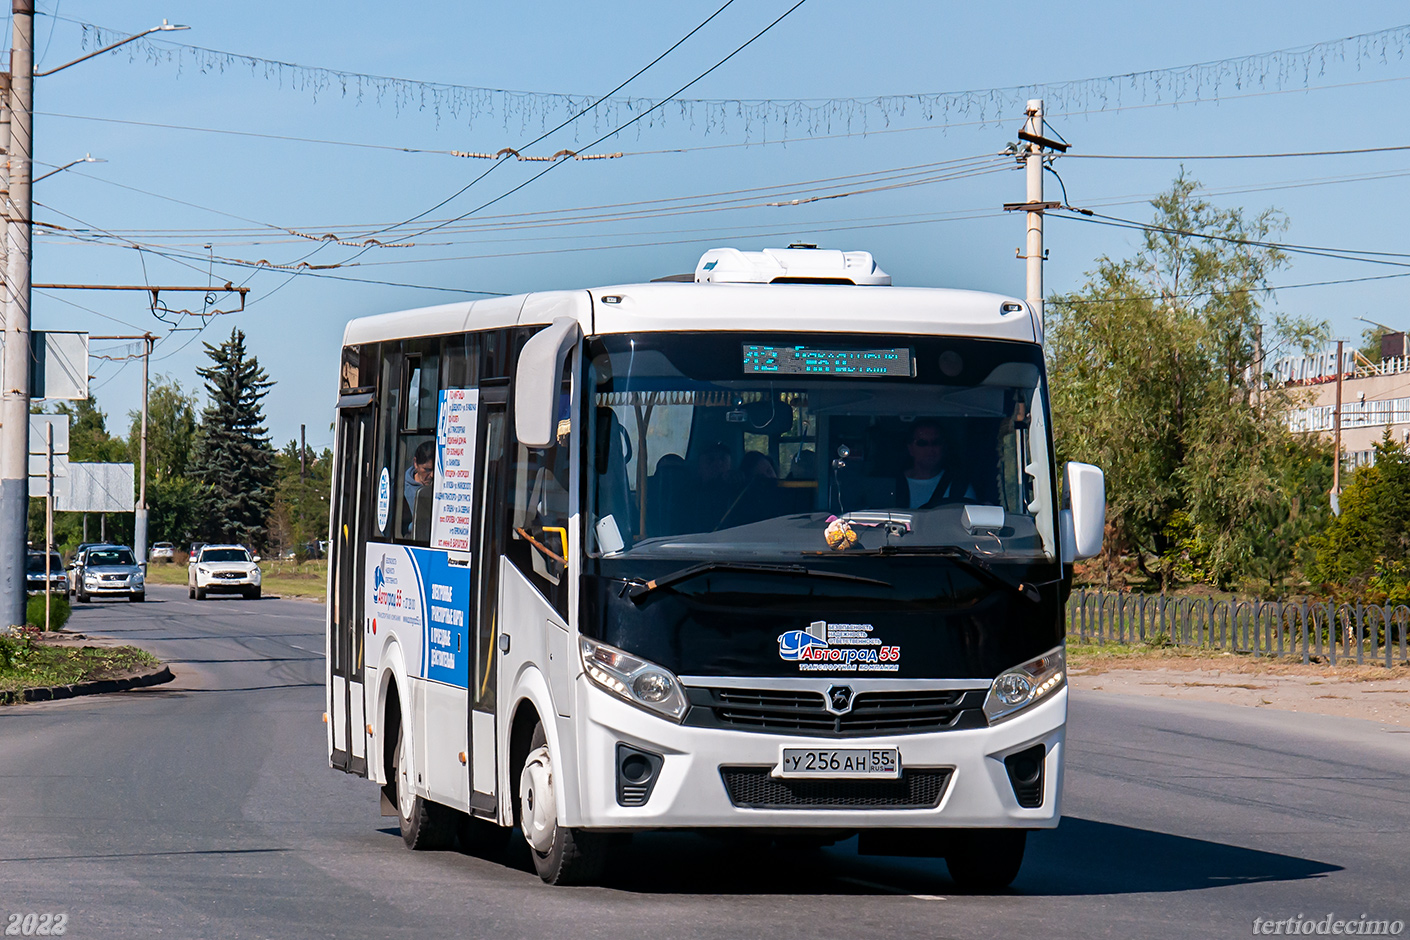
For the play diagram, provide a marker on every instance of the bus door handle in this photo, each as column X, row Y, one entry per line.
column 504, row 642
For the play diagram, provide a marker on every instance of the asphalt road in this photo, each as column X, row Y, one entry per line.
column 205, row 808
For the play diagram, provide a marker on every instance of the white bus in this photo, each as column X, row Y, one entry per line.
column 775, row 546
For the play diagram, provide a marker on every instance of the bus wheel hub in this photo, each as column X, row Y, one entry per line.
column 538, row 807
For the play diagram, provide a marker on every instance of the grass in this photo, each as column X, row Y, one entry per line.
column 27, row 661
column 1095, row 658
column 285, row 578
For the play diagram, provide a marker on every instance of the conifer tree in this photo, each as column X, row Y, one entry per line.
column 233, row 456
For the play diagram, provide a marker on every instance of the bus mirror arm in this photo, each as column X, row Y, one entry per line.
column 536, row 382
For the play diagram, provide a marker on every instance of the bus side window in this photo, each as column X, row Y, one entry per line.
column 538, row 540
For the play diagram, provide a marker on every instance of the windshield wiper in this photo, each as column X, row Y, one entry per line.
column 642, row 588
column 972, row 560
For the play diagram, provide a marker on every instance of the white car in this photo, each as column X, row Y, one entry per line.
column 162, row 551
column 223, row 569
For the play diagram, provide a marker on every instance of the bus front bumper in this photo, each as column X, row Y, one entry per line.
column 690, row 789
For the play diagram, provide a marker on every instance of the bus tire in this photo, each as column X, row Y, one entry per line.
column 424, row 824
column 985, row 860
column 562, row 856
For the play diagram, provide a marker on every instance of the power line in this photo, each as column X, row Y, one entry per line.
column 1344, row 254
column 579, row 113
column 552, row 166
column 1228, row 156
column 1271, row 288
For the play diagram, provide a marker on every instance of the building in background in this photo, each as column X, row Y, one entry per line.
column 1375, row 396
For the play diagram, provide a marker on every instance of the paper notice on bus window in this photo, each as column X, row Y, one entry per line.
column 455, row 469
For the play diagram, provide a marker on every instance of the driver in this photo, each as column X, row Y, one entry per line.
column 927, row 482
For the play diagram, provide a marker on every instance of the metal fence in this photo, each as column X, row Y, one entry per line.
column 1307, row 630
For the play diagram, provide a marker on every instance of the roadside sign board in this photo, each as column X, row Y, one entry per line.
column 99, row 487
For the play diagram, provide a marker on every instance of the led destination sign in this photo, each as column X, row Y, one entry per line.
column 817, row 360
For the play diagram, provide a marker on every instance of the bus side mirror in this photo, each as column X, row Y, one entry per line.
column 1084, row 525
column 536, row 382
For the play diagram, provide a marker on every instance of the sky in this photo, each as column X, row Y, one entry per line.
column 146, row 215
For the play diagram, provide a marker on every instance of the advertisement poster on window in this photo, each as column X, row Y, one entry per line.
column 455, row 469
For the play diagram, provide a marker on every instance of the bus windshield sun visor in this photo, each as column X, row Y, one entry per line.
column 536, row 381
column 640, row 589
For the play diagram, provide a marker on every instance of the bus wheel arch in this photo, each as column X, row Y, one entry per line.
column 561, row 855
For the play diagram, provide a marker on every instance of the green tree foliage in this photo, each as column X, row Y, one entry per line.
column 300, row 513
column 177, row 505
column 233, row 456
column 1155, row 378
column 1364, row 551
column 171, row 428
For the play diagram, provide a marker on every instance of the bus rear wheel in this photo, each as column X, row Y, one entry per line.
column 424, row 825
column 562, row 856
column 985, row 860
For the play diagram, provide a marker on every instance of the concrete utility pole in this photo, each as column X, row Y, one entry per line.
column 14, row 397
column 139, row 517
column 1033, row 167
column 1034, row 206
column 1336, row 439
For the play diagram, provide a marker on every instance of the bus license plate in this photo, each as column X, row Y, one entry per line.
column 867, row 762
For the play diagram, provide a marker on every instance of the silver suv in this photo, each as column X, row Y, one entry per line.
column 108, row 571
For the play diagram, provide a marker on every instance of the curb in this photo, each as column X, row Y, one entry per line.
column 98, row 686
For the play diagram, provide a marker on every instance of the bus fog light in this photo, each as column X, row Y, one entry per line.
column 1024, row 685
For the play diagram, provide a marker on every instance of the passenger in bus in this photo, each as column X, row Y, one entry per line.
column 928, row 482
column 804, row 465
column 756, row 464
column 712, row 490
column 420, row 474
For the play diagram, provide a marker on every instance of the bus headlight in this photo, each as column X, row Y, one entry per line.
column 632, row 679
column 1017, row 688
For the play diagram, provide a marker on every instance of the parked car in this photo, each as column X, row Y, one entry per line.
column 223, row 569
column 108, row 571
column 34, row 573
column 162, row 551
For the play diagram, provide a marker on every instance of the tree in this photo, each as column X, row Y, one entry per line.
column 300, row 513
column 1156, row 377
column 171, row 429
column 1364, row 550
column 233, row 456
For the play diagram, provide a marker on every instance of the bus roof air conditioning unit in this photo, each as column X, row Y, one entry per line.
column 789, row 266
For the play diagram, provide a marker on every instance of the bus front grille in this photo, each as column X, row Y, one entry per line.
column 755, row 788
column 781, row 711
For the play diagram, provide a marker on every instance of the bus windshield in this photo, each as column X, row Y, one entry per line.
column 726, row 445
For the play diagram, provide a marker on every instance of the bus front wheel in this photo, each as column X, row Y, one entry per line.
column 424, row 825
column 562, row 856
column 985, row 860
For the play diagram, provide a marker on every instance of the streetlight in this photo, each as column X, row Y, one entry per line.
column 18, row 87
column 86, row 158
column 164, row 28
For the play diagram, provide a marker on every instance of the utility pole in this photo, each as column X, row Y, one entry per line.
column 139, row 517
column 14, row 396
column 1034, row 206
column 1033, row 171
column 48, row 519
column 1336, row 439
column 303, row 448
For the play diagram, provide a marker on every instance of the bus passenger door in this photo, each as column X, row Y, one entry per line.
column 491, row 525
column 352, row 482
